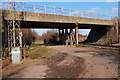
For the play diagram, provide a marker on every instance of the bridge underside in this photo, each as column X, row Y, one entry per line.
column 102, row 31
column 99, row 33
column 51, row 25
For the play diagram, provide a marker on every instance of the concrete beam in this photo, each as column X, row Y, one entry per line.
column 39, row 17
column 63, row 31
column 66, row 31
column 61, row 36
column 76, row 33
column 115, row 31
column 71, row 36
column 66, row 37
column 33, row 24
column 59, row 33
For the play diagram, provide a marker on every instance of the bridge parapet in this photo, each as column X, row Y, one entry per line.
column 40, row 17
column 35, row 8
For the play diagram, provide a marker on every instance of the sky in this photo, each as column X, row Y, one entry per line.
column 65, row 0
column 108, row 7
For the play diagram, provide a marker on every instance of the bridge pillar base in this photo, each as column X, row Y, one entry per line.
column 61, row 36
column 66, row 37
column 76, row 34
column 107, row 35
column 72, row 37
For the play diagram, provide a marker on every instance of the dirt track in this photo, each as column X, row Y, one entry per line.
column 73, row 62
column 98, row 63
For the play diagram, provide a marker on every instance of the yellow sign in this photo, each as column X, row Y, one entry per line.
column 15, row 52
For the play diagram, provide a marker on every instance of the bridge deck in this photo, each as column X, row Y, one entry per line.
column 51, row 18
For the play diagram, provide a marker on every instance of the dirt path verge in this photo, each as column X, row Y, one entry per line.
column 69, row 62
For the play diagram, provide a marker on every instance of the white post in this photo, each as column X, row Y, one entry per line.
column 20, row 38
column 76, row 34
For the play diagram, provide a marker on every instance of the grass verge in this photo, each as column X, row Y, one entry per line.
column 37, row 52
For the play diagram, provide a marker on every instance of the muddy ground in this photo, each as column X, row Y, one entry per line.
column 69, row 62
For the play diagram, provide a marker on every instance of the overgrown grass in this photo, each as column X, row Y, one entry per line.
column 38, row 52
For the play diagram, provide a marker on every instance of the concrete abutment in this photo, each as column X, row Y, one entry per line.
column 107, row 35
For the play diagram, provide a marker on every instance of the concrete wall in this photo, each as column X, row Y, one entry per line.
column 108, row 34
column 97, row 35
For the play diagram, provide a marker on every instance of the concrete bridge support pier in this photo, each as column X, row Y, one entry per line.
column 66, row 37
column 61, row 36
column 59, row 33
column 71, row 37
column 76, row 34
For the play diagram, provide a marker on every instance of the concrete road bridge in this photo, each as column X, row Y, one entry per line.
column 104, row 29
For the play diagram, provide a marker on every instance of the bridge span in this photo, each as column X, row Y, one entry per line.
column 104, row 29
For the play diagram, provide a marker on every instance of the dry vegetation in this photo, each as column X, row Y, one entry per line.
column 38, row 52
column 29, row 36
column 49, row 35
column 35, row 52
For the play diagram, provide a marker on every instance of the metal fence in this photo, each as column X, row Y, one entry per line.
column 28, row 7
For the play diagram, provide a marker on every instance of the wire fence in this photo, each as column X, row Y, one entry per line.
column 29, row 7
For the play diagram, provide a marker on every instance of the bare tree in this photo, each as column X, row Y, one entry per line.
column 29, row 36
column 50, row 36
